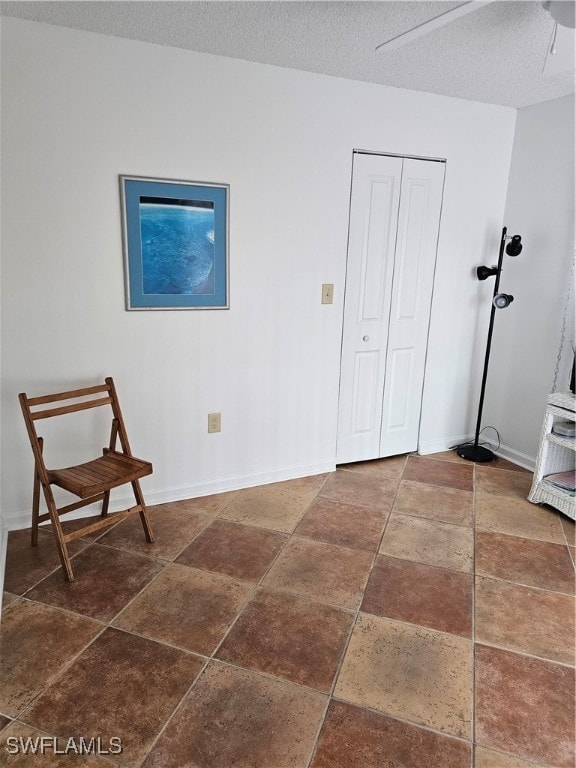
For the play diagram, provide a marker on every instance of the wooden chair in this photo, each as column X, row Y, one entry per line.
column 91, row 481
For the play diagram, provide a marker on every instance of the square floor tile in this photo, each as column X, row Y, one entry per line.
column 123, row 686
column 524, row 561
column 105, row 581
column 57, row 753
column 321, row 571
column 357, row 737
column 409, row 672
column 343, row 524
column 278, row 506
column 433, row 502
column 173, row 528
column 233, row 717
column 289, row 637
column 27, row 565
column 525, row 706
column 36, row 642
column 360, row 489
column 390, row 468
column 186, row 607
column 434, row 472
column 489, row 758
column 517, row 517
column 240, row 551
column 420, row 594
column 503, row 482
column 532, row 621
column 427, row 541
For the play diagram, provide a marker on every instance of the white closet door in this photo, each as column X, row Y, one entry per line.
column 371, row 243
column 394, row 220
column 414, row 264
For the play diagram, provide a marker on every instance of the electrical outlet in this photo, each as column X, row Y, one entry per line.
column 214, row 422
column 327, row 293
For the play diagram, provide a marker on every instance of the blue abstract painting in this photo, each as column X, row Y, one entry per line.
column 175, row 244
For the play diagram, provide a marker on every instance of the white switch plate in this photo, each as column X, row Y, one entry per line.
column 327, row 293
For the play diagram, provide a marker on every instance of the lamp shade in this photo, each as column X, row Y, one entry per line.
column 514, row 247
column 502, row 300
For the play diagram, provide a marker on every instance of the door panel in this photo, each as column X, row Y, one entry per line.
column 400, row 369
column 366, row 398
column 415, row 260
column 371, row 243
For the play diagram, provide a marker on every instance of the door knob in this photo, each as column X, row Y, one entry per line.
column 365, row 338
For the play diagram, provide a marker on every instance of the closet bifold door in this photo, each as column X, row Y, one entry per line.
column 373, row 223
column 393, row 231
column 414, row 266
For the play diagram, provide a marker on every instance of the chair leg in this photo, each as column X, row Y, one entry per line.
column 59, row 535
column 145, row 523
column 35, row 508
column 105, row 502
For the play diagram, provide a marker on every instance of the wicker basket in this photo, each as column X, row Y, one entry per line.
column 556, row 454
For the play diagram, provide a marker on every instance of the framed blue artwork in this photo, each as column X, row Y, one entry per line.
column 175, row 243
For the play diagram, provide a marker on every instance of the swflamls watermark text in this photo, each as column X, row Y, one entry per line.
column 43, row 745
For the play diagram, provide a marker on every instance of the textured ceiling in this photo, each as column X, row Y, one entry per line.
column 495, row 54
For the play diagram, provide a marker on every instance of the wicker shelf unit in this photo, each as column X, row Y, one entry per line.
column 555, row 454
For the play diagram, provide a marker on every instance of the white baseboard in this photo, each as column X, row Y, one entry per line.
column 444, row 444
column 516, row 457
column 19, row 520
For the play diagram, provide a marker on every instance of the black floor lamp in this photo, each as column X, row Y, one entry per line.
column 473, row 451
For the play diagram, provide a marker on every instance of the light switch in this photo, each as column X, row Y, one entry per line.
column 327, row 293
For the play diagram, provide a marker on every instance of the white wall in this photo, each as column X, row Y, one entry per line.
column 540, row 207
column 79, row 109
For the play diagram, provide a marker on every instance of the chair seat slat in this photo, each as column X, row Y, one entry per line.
column 93, row 477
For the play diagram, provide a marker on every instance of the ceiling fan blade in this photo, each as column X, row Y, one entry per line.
column 429, row 26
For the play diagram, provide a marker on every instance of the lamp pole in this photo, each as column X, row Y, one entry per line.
column 477, row 452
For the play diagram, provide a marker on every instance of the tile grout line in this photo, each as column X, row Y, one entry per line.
column 523, row 584
column 173, row 714
column 212, row 657
column 250, row 597
column 109, row 624
column 353, row 626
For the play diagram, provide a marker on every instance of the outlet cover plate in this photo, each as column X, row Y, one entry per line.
column 214, row 422
column 327, row 293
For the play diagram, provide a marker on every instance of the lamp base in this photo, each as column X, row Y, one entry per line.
column 475, row 453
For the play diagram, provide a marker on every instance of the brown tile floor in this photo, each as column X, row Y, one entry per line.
column 413, row 612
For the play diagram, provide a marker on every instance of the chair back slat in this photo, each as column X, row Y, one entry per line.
column 46, row 414
column 72, row 394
